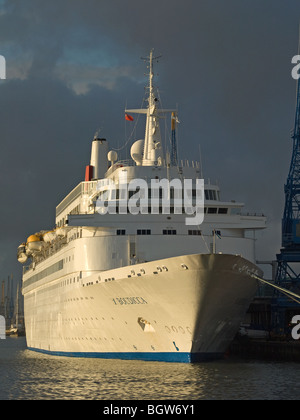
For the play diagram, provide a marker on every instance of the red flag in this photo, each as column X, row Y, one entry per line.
column 128, row 117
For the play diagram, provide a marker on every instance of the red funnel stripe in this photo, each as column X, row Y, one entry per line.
column 89, row 173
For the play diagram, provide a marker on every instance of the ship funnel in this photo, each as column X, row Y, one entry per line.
column 99, row 157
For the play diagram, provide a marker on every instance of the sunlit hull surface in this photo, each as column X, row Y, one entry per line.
column 180, row 309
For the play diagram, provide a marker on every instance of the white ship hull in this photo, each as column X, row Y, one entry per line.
column 179, row 309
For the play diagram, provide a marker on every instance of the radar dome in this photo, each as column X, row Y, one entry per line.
column 136, row 151
column 112, row 156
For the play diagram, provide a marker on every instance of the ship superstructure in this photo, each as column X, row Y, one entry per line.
column 142, row 282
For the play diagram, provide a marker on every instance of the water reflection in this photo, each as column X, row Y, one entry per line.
column 30, row 375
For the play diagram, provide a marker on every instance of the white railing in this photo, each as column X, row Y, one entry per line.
column 80, row 189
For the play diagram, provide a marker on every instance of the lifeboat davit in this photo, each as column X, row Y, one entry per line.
column 21, row 253
column 62, row 231
column 50, row 236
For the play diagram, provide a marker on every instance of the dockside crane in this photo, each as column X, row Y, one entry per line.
column 288, row 260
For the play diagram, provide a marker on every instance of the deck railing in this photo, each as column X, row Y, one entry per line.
column 80, row 189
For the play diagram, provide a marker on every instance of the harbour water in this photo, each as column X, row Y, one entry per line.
column 27, row 375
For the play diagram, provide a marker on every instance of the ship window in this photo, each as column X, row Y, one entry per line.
column 194, row 232
column 222, row 210
column 44, row 273
column 144, row 232
column 212, row 210
column 131, row 193
column 121, row 232
column 169, row 232
column 235, row 211
column 211, row 195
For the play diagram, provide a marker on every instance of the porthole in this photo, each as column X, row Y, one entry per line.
column 181, row 330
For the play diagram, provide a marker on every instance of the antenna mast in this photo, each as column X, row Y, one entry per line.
column 153, row 153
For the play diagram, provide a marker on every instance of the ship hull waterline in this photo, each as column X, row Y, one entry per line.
column 179, row 309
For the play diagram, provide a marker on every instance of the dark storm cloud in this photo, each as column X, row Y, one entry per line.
column 72, row 65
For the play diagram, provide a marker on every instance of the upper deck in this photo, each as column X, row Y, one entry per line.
column 82, row 200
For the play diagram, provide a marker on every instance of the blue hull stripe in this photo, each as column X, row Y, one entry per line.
column 154, row 357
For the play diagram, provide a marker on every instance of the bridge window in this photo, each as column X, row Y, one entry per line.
column 222, row 210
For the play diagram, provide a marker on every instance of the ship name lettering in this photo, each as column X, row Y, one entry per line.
column 137, row 300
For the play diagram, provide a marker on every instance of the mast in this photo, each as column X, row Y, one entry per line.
column 16, row 309
column 174, row 158
column 152, row 144
column 153, row 153
column 2, row 306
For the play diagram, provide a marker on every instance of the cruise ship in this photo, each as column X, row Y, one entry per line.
column 157, row 280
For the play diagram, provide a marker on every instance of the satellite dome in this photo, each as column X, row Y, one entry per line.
column 136, row 151
column 112, row 156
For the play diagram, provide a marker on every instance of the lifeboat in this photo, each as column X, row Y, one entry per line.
column 21, row 253
column 62, row 231
column 35, row 243
column 50, row 236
